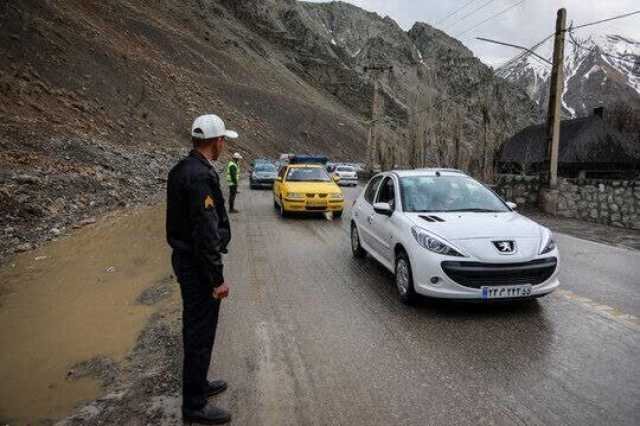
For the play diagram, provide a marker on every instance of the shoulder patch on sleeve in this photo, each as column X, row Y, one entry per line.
column 208, row 202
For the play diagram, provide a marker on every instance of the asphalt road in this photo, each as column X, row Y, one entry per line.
column 311, row 336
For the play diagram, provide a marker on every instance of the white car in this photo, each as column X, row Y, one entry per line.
column 347, row 175
column 445, row 235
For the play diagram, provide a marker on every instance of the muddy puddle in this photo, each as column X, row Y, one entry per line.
column 72, row 301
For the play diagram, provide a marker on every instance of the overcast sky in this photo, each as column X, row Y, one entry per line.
column 525, row 24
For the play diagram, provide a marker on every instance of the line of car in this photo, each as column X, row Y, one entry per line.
column 304, row 184
column 440, row 232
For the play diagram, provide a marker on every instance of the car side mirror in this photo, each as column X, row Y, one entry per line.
column 279, row 179
column 512, row 205
column 336, row 178
column 383, row 209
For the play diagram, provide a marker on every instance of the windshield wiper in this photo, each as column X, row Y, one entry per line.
column 475, row 210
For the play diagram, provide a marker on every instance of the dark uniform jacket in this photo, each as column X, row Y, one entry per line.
column 197, row 221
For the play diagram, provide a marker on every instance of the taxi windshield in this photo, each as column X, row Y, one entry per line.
column 307, row 174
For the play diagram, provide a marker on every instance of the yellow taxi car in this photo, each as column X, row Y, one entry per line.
column 307, row 188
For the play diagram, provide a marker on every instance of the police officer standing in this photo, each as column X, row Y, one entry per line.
column 198, row 231
column 232, row 174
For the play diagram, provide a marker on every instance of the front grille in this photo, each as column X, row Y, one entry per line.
column 316, row 208
column 310, row 195
column 476, row 274
column 323, row 195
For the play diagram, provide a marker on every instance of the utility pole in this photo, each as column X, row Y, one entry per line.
column 555, row 95
column 377, row 114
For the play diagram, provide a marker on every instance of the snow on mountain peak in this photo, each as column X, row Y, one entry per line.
column 611, row 58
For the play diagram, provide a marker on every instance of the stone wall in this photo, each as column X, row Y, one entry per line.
column 522, row 190
column 611, row 202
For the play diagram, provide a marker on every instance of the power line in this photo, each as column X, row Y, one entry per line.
column 521, row 56
column 491, row 17
column 534, row 47
column 603, row 20
column 513, row 45
column 471, row 13
column 454, row 12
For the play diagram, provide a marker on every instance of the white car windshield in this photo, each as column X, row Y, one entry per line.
column 307, row 174
column 447, row 194
column 265, row 168
column 345, row 169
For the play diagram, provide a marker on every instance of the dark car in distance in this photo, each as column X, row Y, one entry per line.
column 263, row 175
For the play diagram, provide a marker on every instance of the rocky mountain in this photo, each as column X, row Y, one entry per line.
column 599, row 71
column 331, row 44
column 98, row 97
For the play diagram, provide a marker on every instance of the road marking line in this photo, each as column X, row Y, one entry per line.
column 606, row 311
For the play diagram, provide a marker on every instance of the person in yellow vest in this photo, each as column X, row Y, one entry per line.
column 232, row 173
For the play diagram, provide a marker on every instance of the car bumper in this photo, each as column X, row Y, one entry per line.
column 262, row 183
column 448, row 288
column 303, row 206
column 348, row 181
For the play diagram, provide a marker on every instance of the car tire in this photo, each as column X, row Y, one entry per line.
column 404, row 279
column 356, row 249
column 283, row 212
column 337, row 214
column 275, row 203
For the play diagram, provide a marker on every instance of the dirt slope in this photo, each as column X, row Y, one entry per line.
column 98, row 97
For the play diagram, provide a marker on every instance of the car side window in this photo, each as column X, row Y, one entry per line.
column 370, row 192
column 282, row 172
column 387, row 192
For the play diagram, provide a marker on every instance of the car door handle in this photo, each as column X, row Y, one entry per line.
column 370, row 219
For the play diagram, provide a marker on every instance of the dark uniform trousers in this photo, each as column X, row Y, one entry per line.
column 198, row 230
column 199, row 323
column 233, row 191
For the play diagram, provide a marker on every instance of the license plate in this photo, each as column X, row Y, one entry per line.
column 316, row 204
column 506, row 292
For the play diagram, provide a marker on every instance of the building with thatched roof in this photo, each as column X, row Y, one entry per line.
column 589, row 147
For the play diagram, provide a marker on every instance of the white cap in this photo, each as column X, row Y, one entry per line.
column 210, row 126
column 237, row 156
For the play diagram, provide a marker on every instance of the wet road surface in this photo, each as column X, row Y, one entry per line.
column 311, row 336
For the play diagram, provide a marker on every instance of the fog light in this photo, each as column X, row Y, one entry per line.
column 435, row 280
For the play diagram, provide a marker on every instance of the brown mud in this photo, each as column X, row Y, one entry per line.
column 72, row 311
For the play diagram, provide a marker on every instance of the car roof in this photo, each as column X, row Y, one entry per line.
column 428, row 172
column 298, row 166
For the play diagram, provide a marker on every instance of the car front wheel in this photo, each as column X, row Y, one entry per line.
column 404, row 279
column 283, row 212
column 356, row 248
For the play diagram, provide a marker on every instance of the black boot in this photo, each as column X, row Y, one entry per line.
column 216, row 387
column 207, row 415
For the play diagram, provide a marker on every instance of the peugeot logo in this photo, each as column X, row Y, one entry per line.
column 505, row 247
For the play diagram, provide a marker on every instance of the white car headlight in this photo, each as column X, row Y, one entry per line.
column 336, row 195
column 295, row 195
column 547, row 244
column 433, row 243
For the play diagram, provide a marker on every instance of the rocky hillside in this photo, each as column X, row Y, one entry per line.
column 599, row 70
column 330, row 44
column 98, row 96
